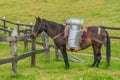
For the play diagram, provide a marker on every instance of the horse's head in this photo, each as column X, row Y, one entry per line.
column 38, row 28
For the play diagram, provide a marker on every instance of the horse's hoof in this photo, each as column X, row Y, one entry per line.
column 68, row 66
column 93, row 65
column 107, row 65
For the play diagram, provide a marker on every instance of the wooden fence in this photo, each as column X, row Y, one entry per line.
column 15, row 37
column 14, row 59
column 26, row 38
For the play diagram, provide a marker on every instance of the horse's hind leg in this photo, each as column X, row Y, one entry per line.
column 97, row 54
column 64, row 53
column 98, row 60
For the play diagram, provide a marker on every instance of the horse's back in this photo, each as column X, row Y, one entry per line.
column 97, row 33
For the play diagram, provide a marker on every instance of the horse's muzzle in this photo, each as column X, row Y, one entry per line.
column 33, row 35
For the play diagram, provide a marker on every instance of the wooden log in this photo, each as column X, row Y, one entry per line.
column 72, row 58
column 27, row 30
column 25, row 39
column 13, row 38
column 22, row 56
column 112, row 28
column 4, row 24
column 41, row 43
column 18, row 26
column 14, row 52
column 31, row 27
column 114, row 37
column 45, row 40
column 5, row 30
column 25, row 44
column 48, row 48
column 30, row 54
column 28, row 25
column 4, row 61
column 33, row 54
column 14, row 55
column 9, row 35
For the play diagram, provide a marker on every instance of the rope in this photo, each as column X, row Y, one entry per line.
column 57, row 36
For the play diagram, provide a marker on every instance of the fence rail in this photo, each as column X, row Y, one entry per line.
column 13, row 38
column 112, row 28
column 28, row 54
column 17, row 24
column 6, row 21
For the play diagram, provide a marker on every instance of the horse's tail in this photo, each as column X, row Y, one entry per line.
column 108, row 49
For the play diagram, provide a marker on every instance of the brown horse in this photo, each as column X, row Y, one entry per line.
column 91, row 36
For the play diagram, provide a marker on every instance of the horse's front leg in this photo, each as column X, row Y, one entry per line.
column 65, row 57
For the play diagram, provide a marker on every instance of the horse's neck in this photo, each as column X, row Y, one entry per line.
column 52, row 29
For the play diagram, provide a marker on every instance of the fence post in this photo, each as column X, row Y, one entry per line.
column 30, row 27
column 43, row 38
column 33, row 54
column 9, row 34
column 47, row 47
column 4, row 24
column 18, row 25
column 25, row 39
column 14, row 53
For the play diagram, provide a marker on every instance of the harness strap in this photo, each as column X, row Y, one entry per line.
column 98, row 41
column 57, row 36
column 99, row 30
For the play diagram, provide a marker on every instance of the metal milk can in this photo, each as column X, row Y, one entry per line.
column 74, row 32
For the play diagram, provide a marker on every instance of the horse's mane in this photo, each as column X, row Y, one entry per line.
column 55, row 23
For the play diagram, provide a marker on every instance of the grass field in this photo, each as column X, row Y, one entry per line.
column 94, row 12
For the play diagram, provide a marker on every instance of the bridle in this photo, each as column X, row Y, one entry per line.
column 35, row 33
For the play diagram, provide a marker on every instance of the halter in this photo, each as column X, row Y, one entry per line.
column 38, row 28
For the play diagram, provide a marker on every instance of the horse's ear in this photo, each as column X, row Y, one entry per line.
column 38, row 17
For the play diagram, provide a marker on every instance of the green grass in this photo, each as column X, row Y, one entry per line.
column 56, row 70
column 95, row 12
